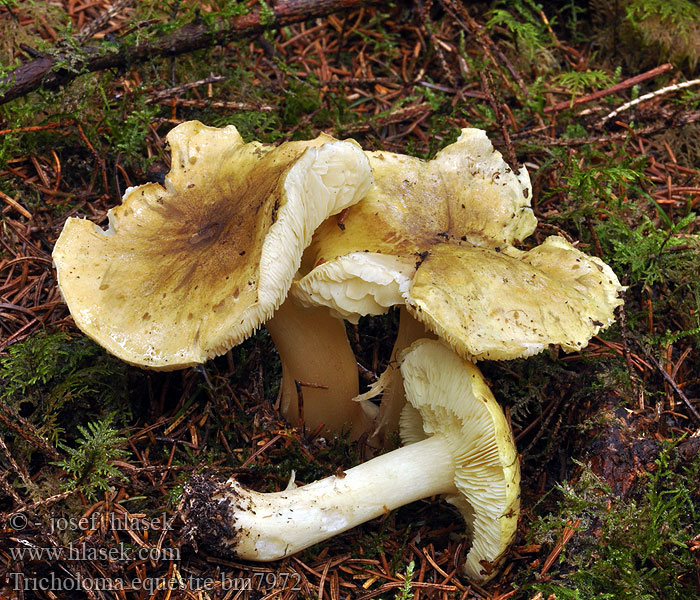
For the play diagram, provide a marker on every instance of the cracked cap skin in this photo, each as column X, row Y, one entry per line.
column 189, row 269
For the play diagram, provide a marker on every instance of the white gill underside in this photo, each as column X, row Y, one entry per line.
column 357, row 284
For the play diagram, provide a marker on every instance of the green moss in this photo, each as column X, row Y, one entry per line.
column 592, row 180
column 267, row 15
column 56, row 380
column 405, row 592
column 671, row 26
column 645, row 33
column 578, row 82
column 661, row 260
column 626, row 550
column 647, row 253
column 529, row 35
column 300, row 99
column 91, row 461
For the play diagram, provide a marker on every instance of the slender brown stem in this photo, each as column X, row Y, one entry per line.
column 316, row 355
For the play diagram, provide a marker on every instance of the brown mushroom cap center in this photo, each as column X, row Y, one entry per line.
column 223, row 235
column 213, row 229
column 204, row 247
column 208, row 233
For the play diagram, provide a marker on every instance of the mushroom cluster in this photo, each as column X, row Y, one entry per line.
column 438, row 239
column 242, row 235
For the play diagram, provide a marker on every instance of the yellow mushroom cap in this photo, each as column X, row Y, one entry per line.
column 467, row 193
column 448, row 396
column 187, row 270
column 510, row 304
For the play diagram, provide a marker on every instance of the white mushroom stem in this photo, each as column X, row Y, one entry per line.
column 315, row 352
column 270, row 526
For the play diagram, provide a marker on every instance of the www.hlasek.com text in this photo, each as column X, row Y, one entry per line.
column 85, row 552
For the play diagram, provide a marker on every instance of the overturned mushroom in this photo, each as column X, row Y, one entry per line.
column 187, row 270
column 458, row 444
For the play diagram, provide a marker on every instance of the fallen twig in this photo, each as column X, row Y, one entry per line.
column 676, row 120
column 669, row 380
column 95, row 25
column 398, row 116
column 11, row 202
column 566, row 536
column 486, row 84
column 223, row 104
column 25, row 429
column 179, row 89
column 649, row 96
column 460, row 14
column 618, row 87
column 46, row 70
